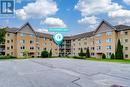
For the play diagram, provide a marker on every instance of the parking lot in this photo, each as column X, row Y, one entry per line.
column 60, row 72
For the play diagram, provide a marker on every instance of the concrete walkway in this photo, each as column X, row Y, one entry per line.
column 63, row 73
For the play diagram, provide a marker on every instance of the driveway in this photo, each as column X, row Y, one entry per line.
column 60, row 72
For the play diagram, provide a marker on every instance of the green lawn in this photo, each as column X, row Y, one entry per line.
column 109, row 60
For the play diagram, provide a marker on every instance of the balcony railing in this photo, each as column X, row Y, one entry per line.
column 2, row 50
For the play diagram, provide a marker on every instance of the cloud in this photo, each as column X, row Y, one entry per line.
column 54, row 22
column 37, row 9
column 95, row 8
column 88, row 20
column 127, row 1
column 119, row 13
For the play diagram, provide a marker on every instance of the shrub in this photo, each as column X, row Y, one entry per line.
column 78, row 57
column 103, row 56
column 113, row 56
column 44, row 54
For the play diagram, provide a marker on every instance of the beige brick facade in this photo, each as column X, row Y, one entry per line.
column 102, row 40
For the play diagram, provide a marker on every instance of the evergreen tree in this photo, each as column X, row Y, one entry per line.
column 87, row 53
column 2, row 35
column 50, row 54
column 119, row 51
column 81, row 53
column 103, row 56
column 113, row 56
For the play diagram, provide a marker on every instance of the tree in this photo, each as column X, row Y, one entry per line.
column 87, row 53
column 25, row 53
column 113, row 56
column 81, row 53
column 119, row 51
column 44, row 54
column 50, row 54
column 2, row 35
column 103, row 56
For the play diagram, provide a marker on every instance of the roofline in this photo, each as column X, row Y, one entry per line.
column 105, row 23
column 27, row 23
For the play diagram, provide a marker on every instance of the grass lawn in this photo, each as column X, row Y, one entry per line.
column 109, row 60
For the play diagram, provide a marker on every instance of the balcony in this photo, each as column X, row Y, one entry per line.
column 2, row 50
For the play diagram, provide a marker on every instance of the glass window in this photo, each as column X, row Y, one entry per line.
column 108, row 33
column 126, row 40
column 98, row 41
column 126, row 48
column 22, row 34
column 126, row 55
column 126, row 33
column 98, row 35
column 31, row 48
column 31, row 35
column 108, row 47
column 31, row 41
column 22, row 41
column 109, row 40
column 98, row 47
column 22, row 47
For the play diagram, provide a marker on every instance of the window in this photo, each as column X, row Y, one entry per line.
column 44, row 48
column 31, row 48
column 126, row 48
column 108, row 47
column 22, row 47
column 7, row 41
column 22, row 41
column 92, row 54
column 11, row 47
column 126, row 55
column 98, row 41
column 12, row 41
column 79, row 44
column 31, row 35
column 108, row 33
column 108, row 55
column 92, row 48
column 79, row 39
column 7, row 48
column 8, row 34
column 109, row 40
column 85, row 48
column 22, row 34
column 79, row 48
column 126, row 33
column 85, row 43
column 126, row 40
column 98, row 35
column 98, row 47
column 31, row 41
column 44, row 38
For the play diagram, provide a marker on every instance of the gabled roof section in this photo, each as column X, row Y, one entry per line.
column 87, row 34
column 26, row 24
column 106, row 24
column 122, row 27
column 11, row 30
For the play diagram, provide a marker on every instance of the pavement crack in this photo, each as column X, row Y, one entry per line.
column 74, row 82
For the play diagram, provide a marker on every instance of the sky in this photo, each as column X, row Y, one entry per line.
column 77, row 15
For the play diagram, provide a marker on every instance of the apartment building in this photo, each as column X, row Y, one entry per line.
column 103, row 40
column 17, row 40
